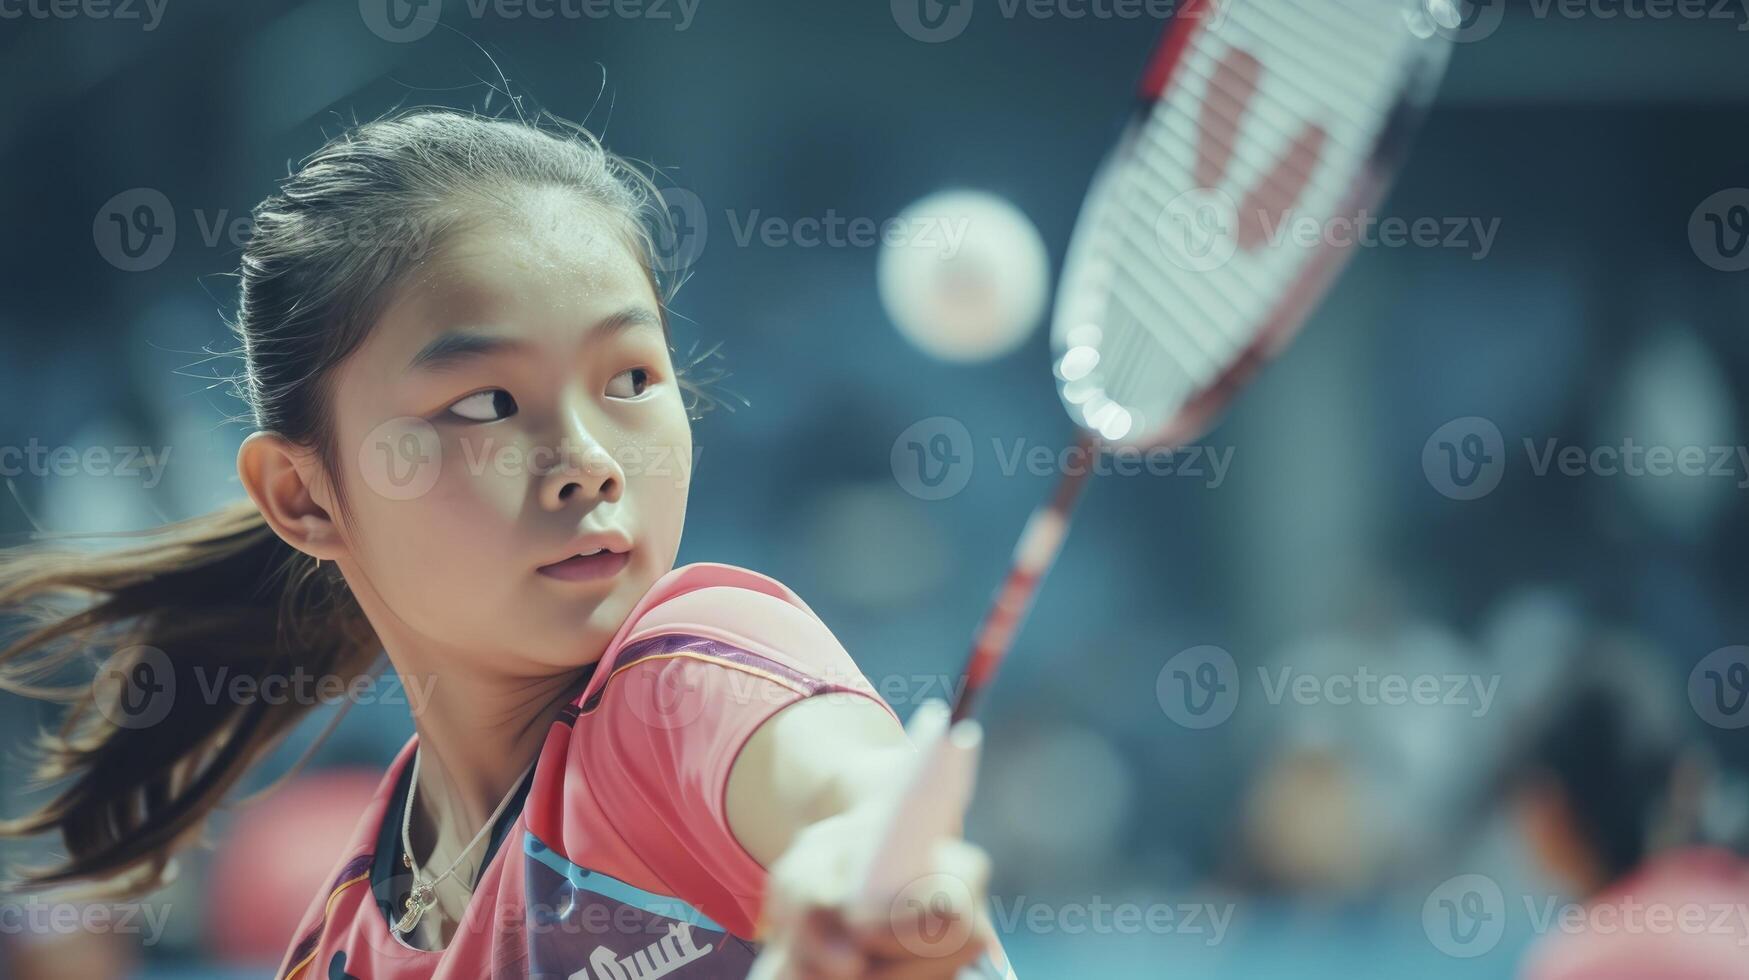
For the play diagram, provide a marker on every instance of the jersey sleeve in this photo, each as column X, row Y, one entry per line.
column 696, row 677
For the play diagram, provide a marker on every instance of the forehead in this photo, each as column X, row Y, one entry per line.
column 543, row 270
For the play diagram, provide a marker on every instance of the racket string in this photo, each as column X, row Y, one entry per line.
column 1276, row 113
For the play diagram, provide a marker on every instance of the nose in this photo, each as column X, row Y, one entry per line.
column 580, row 467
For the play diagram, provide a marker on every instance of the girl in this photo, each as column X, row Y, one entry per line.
column 473, row 453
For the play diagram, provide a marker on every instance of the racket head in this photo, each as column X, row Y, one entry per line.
column 1190, row 266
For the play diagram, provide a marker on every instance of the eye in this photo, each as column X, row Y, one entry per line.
column 481, row 406
column 630, row 383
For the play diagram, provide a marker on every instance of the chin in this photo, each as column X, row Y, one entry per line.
column 584, row 627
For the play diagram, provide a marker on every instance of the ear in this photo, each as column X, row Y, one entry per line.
column 286, row 483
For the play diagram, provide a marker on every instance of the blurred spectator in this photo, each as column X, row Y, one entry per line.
column 1608, row 793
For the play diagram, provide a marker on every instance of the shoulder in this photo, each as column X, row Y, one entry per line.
column 642, row 757
column 715, row 596
column 719, row 615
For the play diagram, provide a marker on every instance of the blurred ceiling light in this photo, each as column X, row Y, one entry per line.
column 1674, row 399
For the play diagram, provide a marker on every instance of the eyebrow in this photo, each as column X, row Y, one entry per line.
column 457, row 347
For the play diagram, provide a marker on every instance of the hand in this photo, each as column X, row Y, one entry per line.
column 886, row 889
column 935, row 925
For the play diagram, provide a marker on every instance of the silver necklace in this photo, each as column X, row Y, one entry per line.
column 424, row 893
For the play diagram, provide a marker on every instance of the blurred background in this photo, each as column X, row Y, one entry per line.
column 1187, row 775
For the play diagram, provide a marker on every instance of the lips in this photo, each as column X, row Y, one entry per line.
column 595, row 555
column 578, row 568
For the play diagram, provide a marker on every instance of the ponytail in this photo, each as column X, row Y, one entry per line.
column 145, row 753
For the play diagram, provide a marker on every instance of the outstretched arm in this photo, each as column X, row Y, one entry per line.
column 809, row 797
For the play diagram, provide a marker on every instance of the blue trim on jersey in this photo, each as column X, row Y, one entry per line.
column 610, row 887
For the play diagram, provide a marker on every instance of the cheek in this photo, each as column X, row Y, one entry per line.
column 431, row 549
column 658, row 461
column 485, row 475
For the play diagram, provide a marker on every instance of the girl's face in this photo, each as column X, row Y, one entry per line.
column 515, row 400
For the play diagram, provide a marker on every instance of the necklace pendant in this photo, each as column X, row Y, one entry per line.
column 419, row 901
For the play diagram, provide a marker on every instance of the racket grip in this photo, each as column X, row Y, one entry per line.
column 930, row 807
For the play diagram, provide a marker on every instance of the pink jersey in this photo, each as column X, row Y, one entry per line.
column 619, row 863
column 1684, row 916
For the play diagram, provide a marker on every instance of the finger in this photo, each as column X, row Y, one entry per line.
column 966, row 861
column 935, row 941
column 804, row 877
column 934, row 915
column 928, row 720
column 927, row 934
column 925, row 968
column 823, row 947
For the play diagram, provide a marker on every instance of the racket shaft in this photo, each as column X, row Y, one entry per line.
column 938, row 789
column 1037, row 550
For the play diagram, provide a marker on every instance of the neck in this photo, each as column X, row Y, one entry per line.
column 477, row 733
column 481, row 717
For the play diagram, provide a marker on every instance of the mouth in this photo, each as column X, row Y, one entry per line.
column 594, row 557
column 581, row 567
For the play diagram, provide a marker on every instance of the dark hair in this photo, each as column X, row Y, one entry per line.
column 223, row 589
column 1611, row 739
